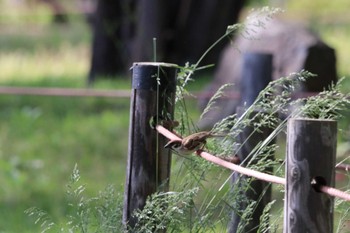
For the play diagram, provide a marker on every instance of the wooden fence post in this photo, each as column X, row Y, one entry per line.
column 311, row 150
column 148, row 166
column 257, row 73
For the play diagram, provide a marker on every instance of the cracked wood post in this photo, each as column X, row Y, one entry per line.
column 148, row 166
column 256, row 75
column 311, row 151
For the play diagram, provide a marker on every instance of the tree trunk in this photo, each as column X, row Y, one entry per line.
column 185, row 29
column 111, row 34
column 199, row 24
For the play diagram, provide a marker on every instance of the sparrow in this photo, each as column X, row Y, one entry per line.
column 191, row 143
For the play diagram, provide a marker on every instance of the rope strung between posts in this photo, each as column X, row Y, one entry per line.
column 343, row 166
column 81, row 92
column 334, row 192
column 249, row 172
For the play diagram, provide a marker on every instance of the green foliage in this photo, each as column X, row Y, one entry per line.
column 42, row 138
column 42, row 218
column 329, row 104
column 218, row 94
column 342, row 208
column 167, row 210
column 97, row 214
column 246, row 216
column 264, row 219
column 272, row 103
column 266, row 111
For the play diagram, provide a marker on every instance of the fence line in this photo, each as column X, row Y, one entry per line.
column 80, row 92
column 64, row 92
column 249, row 172
column 334, row 192
column 86, row 92
column 209, row 157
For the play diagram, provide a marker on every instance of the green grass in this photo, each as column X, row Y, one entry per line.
column 41, row 139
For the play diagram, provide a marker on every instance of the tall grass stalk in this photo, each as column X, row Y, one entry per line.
column 102, row 213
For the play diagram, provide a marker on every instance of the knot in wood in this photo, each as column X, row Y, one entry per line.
column 293, row 222
column 295, row 173
column 292, row 218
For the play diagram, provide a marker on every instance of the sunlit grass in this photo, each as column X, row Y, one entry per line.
column 22, row 12
column 66, row 61
column 330, row 20
column 33, row 49
column 338, row 38
column 321, row 9
column 42, row 138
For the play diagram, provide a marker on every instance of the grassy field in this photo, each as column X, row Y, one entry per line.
column 42, row 138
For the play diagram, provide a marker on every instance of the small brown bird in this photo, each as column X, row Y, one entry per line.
column 191, row 143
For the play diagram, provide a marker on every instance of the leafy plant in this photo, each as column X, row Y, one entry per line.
column 166, row 210
column 328, row 104
column 343, row 209
column 96, row 214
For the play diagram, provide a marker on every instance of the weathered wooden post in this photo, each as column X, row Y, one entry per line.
column 148, row 166
column 257, row 73
column 311, row 150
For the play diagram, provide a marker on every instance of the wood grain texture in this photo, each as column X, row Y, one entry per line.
column 148, row 165
column 311, row 150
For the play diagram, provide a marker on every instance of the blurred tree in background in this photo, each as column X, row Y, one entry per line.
column 58, row 11
column 123, row 32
